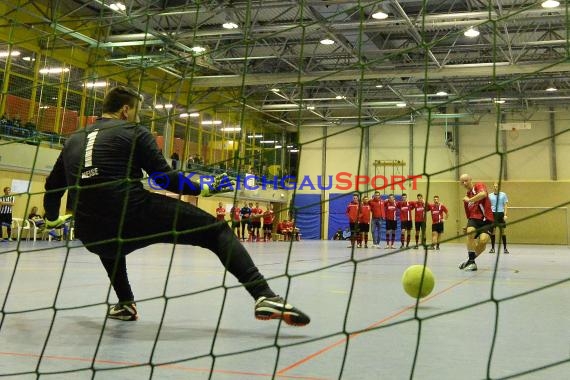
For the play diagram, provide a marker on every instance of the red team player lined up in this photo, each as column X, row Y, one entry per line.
column 362, row 213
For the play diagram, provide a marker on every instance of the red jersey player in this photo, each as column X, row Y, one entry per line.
column 220, row 212
column 352, row 214
column 390, row 208
column 377, row 208
column 420, row 219
column 364, row 222
column 438, row 216
column 268, row 217
column 256, row 215
column 479, row 220
column 405, row 208
column 235, row 214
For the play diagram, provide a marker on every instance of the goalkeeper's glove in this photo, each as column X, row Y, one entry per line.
column 221, row 184
column 58, row 222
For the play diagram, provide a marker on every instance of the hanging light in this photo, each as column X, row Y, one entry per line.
column 230, row 25
column 550, row 4
column 379, row 15
column 471, row 33
column 198, row 49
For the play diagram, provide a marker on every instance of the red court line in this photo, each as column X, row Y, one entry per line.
column 171, row 366
column 375, row 324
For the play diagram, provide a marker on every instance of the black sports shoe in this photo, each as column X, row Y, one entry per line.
column 463, row 264
column 276, row 308
column 492, row 250
column 124, row 312
column 506, row 251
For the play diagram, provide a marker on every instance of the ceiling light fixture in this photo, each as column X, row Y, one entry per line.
column 275, row 89
column 471, row 33
column 13, row 53
column 550, row 4
column 118, row 6
column 230, row 25
column 95, row 84
column 256, row 136
column 327, row 41
column 163, row 106
column 211, row 122
column 379, row 15
column 310, row 108
column 551, row 89
column 499, row 101
column 192, row 114
column 28, row 59
column 198, row 49
column 230, row 129
column 54, row 70
column 441, row 93
column 379, row 86
column 401, row 105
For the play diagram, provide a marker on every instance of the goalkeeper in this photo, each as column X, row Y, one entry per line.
column 101, row 167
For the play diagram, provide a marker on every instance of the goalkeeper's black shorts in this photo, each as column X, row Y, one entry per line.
column 161, row 220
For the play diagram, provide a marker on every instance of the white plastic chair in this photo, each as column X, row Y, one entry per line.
column 18, row 225
column 32, row 228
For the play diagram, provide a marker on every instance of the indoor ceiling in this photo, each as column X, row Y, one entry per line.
column 418, row 58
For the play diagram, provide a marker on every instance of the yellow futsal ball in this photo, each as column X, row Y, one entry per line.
column 412, row 281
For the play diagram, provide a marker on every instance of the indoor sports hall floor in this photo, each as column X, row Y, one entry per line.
column 531, row 319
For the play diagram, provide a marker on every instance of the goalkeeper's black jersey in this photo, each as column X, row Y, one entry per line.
column 102, row 168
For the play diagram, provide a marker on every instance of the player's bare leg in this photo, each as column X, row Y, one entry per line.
column 434, row 238
column 481, row 243
column 474, row 248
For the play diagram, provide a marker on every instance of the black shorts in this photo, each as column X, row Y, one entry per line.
column 6, row 219
column 353, row 227
column 420, row 226
column 482, row 226
column 256, row 224
column 500, row 219
column 235, row 224
column 268, row 227
column 407, row 225
column 437, row 227
column 391, row 225
column 364, row 227
column 160, row 220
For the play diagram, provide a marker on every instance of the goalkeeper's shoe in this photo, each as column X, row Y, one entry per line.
column 124, row 312
column 221, row 184
column 276, row 308
column 60, row 221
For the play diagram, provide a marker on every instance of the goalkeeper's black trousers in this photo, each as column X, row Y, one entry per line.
column 164, row 219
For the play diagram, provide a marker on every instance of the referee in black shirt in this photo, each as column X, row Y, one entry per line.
column 6, row 203
column 101, row 166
